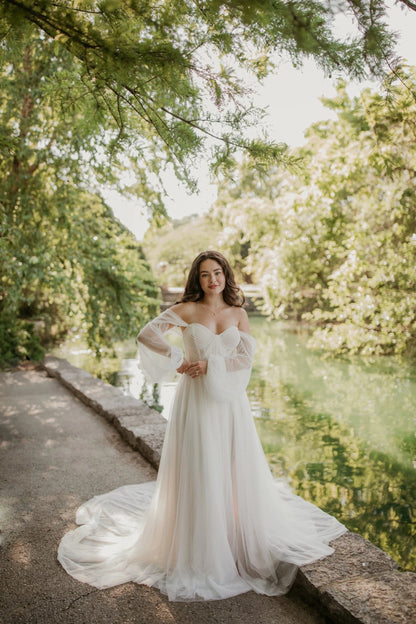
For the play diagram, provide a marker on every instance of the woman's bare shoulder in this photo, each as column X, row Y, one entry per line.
column 184, row 310
column 243, row 322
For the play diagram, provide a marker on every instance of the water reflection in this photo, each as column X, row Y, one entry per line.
column 342, row 432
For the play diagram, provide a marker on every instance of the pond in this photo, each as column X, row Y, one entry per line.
column 342, row 432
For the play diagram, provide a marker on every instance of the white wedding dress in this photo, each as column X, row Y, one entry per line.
column 215, row 523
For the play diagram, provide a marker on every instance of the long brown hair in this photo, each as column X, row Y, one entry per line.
column 232, row 294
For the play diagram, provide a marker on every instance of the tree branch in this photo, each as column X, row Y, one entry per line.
column 409, row 4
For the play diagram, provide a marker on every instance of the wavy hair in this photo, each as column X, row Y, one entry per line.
column 232, row 294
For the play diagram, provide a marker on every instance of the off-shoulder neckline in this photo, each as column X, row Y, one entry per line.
column 210, row 330
column 185, row 324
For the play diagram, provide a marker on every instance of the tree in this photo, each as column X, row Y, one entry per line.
column 370, row 297
column 65, row 259
column 166, row 71
column 335, row 242
column 94, row 88
column 171, row 249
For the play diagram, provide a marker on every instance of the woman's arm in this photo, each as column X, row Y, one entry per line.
column 159, row 359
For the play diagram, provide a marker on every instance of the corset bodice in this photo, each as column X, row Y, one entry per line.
column 200, row 342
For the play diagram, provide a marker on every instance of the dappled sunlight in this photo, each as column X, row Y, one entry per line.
column 56, row 402
column 33, row 410
column 377, row 593
column 160, row 609
column 127, row 589
column 7, row 510
column 8, row 425
column 34, row 376
column 68, row 504
column 20, row 552
column 7, row 410
column 46, row 421
column 52, row 468
column 165, row 613
column 12, row 518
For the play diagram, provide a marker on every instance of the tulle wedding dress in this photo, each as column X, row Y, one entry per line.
column 215, row 523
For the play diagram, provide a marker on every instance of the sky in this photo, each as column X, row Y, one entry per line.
column 292, row 99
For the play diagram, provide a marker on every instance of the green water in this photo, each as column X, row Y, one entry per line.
column 341, row 432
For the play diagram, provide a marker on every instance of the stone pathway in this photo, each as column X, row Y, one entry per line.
column 56, row 453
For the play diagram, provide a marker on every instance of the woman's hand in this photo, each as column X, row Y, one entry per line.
column 183, row 368
column 195, row 369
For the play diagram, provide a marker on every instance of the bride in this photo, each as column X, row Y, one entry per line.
column 215, row 523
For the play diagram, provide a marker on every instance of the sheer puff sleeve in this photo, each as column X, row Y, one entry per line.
column 228, row 376
column 159, row 359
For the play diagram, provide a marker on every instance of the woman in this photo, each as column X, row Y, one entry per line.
column 215, row 523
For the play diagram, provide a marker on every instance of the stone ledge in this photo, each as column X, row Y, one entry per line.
column 140, row 426
column 358, row 584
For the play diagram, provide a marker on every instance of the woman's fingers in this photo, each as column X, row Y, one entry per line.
column 193, row 371
column 183, row 368
column 196, row 369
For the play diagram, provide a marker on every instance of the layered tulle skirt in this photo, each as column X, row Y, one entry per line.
column 213, row 525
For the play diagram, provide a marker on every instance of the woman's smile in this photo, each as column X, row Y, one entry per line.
column 211, row 270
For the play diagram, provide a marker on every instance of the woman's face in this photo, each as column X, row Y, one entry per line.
column 211, row 277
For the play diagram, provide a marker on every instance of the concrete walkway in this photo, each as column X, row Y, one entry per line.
column 56, row 453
